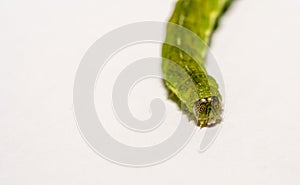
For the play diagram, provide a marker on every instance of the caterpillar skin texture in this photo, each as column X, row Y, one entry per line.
column 191, row 85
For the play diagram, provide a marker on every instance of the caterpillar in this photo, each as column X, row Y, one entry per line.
column 191, row 85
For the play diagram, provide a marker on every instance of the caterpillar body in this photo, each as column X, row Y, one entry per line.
column 192, row 86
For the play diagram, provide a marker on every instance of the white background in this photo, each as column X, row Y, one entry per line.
column 42, row 43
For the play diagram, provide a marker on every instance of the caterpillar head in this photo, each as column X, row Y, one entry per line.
column 208, row 111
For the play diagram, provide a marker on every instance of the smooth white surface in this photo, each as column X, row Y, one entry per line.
column 42, row 43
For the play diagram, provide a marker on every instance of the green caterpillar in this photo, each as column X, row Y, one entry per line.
column 191, row 85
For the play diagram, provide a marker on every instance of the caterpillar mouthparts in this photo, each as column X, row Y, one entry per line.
column 208, row 111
